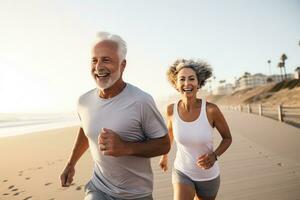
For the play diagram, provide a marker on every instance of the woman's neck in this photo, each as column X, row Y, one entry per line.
column 189, row 103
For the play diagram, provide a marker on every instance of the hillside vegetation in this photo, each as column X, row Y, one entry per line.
column 285, row 93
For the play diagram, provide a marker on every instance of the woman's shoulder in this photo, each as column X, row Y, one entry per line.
column 212, row 108
column 170, row 109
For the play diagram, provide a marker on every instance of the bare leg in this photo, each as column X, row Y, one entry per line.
column 183, row 191
column 204, row 198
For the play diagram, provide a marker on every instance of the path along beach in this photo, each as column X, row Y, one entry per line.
column 262, row 163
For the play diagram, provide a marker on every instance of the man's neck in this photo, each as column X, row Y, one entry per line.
column 112, row 91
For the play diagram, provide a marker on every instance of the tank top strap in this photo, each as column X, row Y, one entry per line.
column 175, row 109
column 204, row 113
column 203, row 104
column 203, row 108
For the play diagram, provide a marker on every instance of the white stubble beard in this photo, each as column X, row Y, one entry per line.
column 113, row 78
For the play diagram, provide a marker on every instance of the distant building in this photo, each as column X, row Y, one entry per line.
column 297, row 73
column 277, row 77
column 224, row 89
column 250, row 81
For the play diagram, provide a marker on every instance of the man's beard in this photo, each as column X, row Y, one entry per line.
column 112, row 79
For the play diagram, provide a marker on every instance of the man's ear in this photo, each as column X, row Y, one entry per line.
column 123, row 65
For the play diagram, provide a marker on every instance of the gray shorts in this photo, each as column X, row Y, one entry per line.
column 203, row 188
column 92, row 193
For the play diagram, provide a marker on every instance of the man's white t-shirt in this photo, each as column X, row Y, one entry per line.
column 133, row 115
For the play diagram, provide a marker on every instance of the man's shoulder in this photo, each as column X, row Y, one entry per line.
column 138, row 93
column 86, row 95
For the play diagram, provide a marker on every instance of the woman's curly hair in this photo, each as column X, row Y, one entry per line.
column 202, row 69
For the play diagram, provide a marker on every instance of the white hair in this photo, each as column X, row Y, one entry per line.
column 106, row 36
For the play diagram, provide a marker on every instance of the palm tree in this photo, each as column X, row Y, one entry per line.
column 280, row 65
column 247, row 74
column 222, row 81
column 283, row 58
column 269, row 62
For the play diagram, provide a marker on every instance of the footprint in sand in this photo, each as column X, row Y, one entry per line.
column 16, row 189
column 40, row 168
column 27, row 178
column 52, row 199
column 10, row 187
column 28, row 198
column 4, row 180
column 16, row 194
column 5, row 194
column 79, row 187
column 50, row 163
column 46, row 184
column 279, row 164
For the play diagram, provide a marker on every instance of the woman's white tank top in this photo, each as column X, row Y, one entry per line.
column 193, row 139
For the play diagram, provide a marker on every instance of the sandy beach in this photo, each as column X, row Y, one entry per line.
column 262, row 163
column 31, row 165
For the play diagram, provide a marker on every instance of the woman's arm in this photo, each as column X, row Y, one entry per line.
column 216, row 119
column 164, row 158
column 221, row 125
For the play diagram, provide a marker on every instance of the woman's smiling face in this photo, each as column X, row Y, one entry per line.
column 187, row 82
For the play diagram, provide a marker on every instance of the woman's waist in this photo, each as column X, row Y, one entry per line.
column 192, row 153
column 195, row 172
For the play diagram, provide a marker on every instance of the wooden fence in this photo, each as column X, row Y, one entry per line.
column 288, row 114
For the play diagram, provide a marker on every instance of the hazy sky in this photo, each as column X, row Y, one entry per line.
column 45, row 45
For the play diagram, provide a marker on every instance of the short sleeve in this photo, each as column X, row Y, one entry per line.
column 153, row 124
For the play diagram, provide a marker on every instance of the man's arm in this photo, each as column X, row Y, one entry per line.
column 149, row 148
column 111, row 144
column 80, row 146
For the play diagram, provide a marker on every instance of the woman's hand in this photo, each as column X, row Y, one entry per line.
column 163, row 163
column 206, row 161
